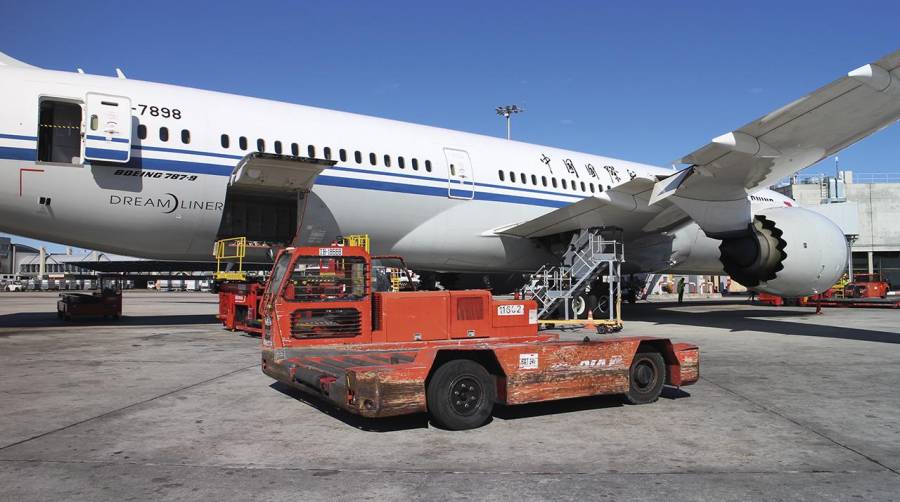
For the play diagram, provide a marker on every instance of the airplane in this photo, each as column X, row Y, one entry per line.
column 161, row 171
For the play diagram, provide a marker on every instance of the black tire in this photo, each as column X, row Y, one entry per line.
column 461, row 395
column 589, row 304
column 646, row 377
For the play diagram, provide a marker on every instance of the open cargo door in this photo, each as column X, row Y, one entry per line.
column 266, row 196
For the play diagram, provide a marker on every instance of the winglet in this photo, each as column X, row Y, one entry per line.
column 667, row 187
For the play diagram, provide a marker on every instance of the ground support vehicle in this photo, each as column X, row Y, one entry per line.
column 14, row 286
column 867, row 286
column 104, row 302
column 454, row 354
column 239, row 306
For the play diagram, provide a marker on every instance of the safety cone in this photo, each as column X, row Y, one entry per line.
column 590, row 320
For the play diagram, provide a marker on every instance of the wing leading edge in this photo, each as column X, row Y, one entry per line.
column 625, row 206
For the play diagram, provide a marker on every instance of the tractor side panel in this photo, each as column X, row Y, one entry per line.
column 566, row 369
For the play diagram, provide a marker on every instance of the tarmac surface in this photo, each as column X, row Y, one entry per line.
column 166, row 404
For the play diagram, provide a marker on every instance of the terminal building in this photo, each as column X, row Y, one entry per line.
column 40, row 269
column 874, row 199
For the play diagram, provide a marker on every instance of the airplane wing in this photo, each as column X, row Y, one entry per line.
column 624, row 206
column 713, row 189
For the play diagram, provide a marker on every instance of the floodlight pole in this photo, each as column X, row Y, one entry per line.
column 507, row 112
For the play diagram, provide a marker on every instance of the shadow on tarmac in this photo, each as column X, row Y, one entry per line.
column 49, row 319
column 745, row 319
column 420, row 420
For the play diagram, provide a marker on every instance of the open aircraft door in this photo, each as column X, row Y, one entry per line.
column 267, row 196
column 460, row 175
column 107, row 128
column 277, row 173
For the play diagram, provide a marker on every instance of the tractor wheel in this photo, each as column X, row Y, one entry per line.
column 646, row 377
column 461, row 395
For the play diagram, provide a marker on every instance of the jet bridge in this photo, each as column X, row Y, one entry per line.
column 585, row 287
column 267, row 196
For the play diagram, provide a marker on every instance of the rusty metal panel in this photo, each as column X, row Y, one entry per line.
column 689, row 361
column 414, row 316
column 560, row 370
column 470, row 315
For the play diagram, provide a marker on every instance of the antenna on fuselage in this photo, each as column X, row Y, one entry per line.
column 79, row 70
column 120, row 74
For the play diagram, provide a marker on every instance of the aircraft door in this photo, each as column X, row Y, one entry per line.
column 460, row 175
column 107, row 128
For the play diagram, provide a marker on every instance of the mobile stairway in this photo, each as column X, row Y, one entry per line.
column 585, row 285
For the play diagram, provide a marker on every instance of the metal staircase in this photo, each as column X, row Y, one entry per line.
column 589, row 256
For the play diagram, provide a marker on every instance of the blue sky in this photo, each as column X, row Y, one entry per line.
column 645, row 81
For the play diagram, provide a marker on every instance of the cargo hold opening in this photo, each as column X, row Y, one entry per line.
column 264, row 217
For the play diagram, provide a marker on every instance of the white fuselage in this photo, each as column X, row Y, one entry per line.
column 167, row 201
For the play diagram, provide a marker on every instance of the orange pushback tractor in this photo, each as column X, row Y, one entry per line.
column 329, row 330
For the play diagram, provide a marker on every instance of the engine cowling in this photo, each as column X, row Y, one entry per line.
column 789, row 252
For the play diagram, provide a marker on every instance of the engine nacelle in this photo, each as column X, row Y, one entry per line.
column 790, row 252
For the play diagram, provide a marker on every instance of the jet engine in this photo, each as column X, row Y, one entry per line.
column 789, row 252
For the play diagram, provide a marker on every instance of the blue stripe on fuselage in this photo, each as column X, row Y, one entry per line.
column 12, row 153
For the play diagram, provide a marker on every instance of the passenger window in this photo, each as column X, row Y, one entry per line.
column 554, row 182
column 534, row 180
column 500, row 175
column 582, row 187
column 185, row 136
column 387, row 161
column 164, row 134
column 372, row 159
column 224, row 140
column 400, row 163
column 415, row 164
column 592, row 188
column 357, row 156
column 428, row 165
column 242, row 142
column 311, row 151
column 327, row 152
column 59, row 132
column 278, row 147
column 564, row 184
column 452, row 170
column 343, row 154
column 295, row 149
column 512, row 176
column 142, row 131
column 260, row 145
column 523, row 178
column 544, row 180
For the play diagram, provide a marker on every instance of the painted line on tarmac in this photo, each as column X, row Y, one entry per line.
column 369, row 471
column 132, row 405
column 801, row 425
